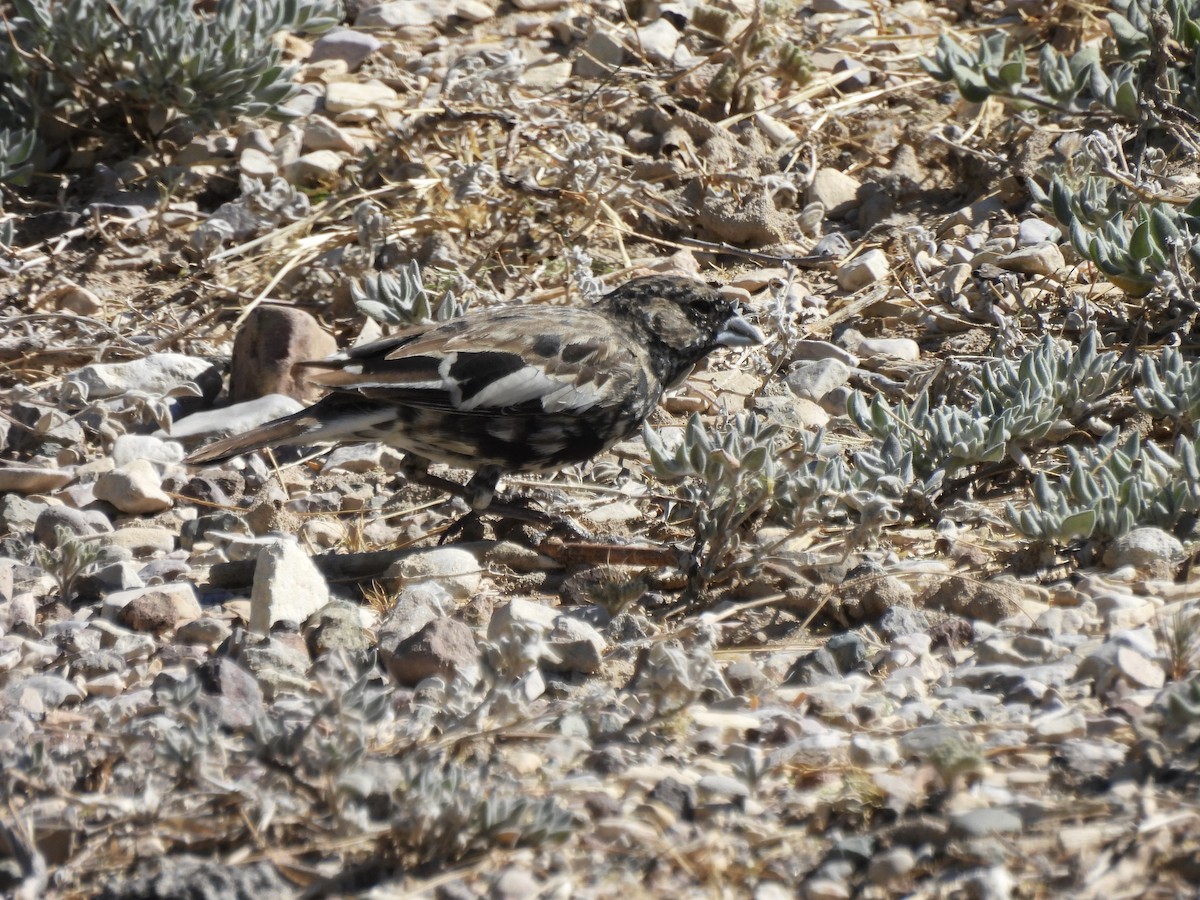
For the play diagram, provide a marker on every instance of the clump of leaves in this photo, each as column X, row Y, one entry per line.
column 1112, row 488
column 71, row 559
column 1018, row 404
column 401, row 298
column 82, row 72
column 735, row 474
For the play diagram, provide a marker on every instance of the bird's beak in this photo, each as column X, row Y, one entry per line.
column 737, row 332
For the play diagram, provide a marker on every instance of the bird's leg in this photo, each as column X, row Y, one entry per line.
column 416, row 469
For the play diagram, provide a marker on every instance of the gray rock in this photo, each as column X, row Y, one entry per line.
column 336, row 628
column 867, row 268
column 577, row 645
column 1144, row 548
column 814, row 380
column 600, row 54
column 348, row 45
column 157, row 375
column 230, row 692
column 984, row 822
column 456, row 570
column 1031, row 232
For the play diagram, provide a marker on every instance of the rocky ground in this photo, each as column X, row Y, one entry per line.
column 268, row 679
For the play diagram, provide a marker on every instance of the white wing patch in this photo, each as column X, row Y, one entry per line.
column 529, row 383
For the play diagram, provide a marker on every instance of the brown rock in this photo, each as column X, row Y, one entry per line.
column 161, row 610
column 443, row 647
column 270, row 343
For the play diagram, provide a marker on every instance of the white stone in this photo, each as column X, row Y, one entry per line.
column 868, row 268
column 133, row 488
column 658, row 40
column 287, row 587
column 130, row 447
column 155, row 375
column 454, row 569
column 520, row 610
column 236, row 418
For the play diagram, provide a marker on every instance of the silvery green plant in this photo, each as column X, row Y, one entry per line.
column 736, row 473
column 401, row 299
column 1170, row 388
column 1018, row 404
column 444, row 809
column 71, row 559
column 1111, row 488
column 1087, row 81
column 1135, row 244
column 104, row 67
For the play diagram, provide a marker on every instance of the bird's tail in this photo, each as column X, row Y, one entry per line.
column 324, row 423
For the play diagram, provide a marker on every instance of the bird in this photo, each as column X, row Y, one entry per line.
column 516, row 389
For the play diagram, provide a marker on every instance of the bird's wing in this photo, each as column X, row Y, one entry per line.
column 527, row 360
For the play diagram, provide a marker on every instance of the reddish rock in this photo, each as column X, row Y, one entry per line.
column 269, row 344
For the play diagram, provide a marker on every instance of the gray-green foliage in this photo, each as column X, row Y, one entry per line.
column 1018, row 403
column 401, row 298
column 1112, row 488
column 1170, row 388
column 79, row 73
column 1108, row 206
column 735, row 473
column 1135, row 243
column 71, row 559
column 1088, row 81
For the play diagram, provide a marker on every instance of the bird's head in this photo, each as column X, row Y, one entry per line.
column 683, row 320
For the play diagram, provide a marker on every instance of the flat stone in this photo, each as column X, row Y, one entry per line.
column 321, row 134
column 346, row 44
column 237, row 418
column 33, row 479
column 1043, row 259
column 813, row 380
column 157, row 374
column 317, row 167
column 161, row 608
column 363, row 99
